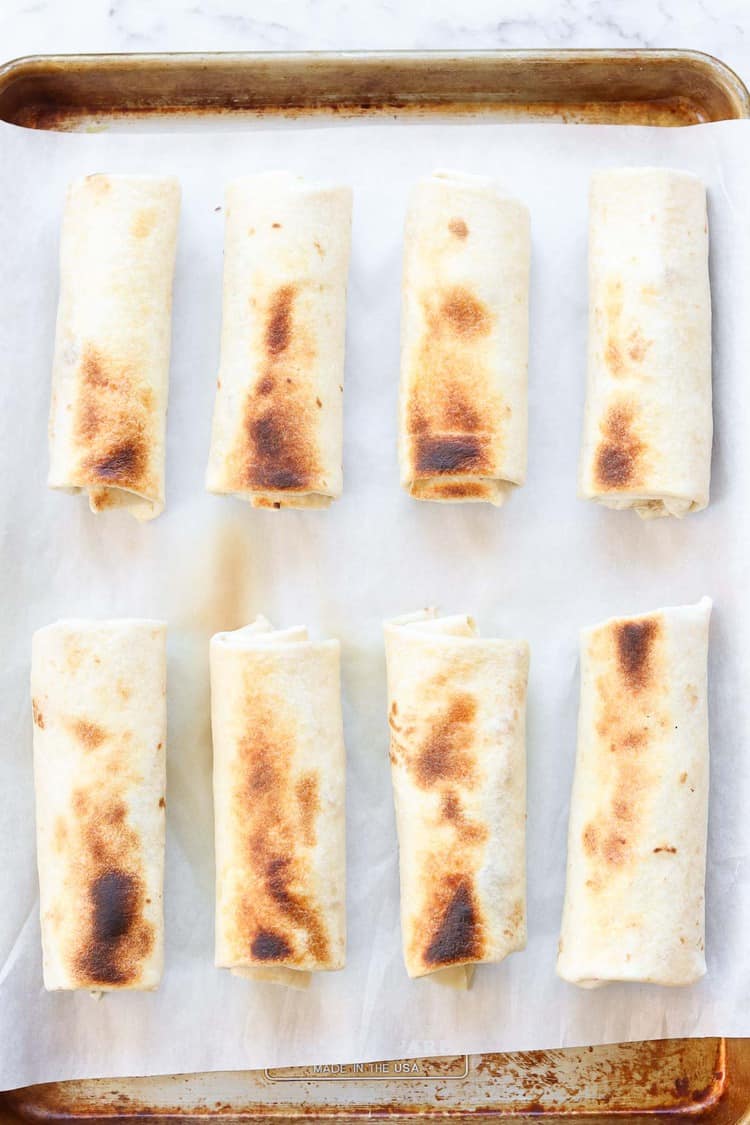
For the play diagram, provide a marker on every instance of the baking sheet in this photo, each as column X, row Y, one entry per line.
column 541, row 567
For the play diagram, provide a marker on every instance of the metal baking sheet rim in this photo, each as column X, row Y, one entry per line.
column 648, row 86
column 726, row 1097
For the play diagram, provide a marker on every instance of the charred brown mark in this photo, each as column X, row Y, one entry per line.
column 113, row 938
column 112, row 421
column 274, row 813
column 666, row 848
column 446, row 454
column 635, row 643
column 464, row 314
column 89, row 734
column 451, row 432
column 268, row 946
column 629, row 708
column 123, row 464
column 467, row 830
column 457, row 935
column 279, row 323
column 282, row 450
column 37, row 714
column 446, row 753
column 278, row 449
column 458, row 228
column 619, row 455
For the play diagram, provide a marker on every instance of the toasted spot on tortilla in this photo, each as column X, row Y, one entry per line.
column 90, row 734
column 448, row 454
column 464, row 313
column 37, row 714
column 308, row 803
column 446, row 755
column 267, row 946
column 458, row 228
column 619, row 455
column 277, row 448
column 456, row 936
column 144, row 222
column 279, row 322
column 274, row 818
column 635, row 641
column 111, row 938
column 467, row 830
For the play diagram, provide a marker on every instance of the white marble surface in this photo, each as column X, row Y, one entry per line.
column 721, row 27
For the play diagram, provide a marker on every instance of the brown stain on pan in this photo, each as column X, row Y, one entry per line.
column 619, row 457
column 630, row 713
column 106, row 890
column 274, row 917
column 113, row 423
column 277, row 449
column 452, row 415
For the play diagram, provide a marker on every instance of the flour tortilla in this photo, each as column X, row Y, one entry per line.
column 279, row 783
column 634, row 900
column 464, row 341
column 111, row 365
column 457, row 715
column 99, row 711
column 278, row 423
column 648, row 425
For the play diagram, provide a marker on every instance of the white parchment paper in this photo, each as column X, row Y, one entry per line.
column 539, row 568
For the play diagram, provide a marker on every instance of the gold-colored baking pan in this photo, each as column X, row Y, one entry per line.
column 656, row 87
column 636, row 1083
column 707, row 1080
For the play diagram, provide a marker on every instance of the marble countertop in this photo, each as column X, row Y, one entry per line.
column 720, row 27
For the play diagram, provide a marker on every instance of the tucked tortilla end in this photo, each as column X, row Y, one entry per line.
column 277, row 974
column 456, row 489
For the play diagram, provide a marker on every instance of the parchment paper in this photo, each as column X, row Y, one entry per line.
column 539, row 568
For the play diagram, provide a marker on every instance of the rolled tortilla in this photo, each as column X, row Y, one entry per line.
column 634, row 898
column 464, row 341
column 277, row 426
column 457, row 715
column 648, row 426
column 99, row 707
column 279, row 779
column 111, row 366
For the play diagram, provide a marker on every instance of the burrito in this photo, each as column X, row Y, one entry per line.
column 98, row 691
column 277, row 427
column 647, row 427
column 279, row 776
column 464, row 341
column 457, row 716
column 111, row 364
column 634, row 899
